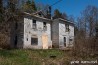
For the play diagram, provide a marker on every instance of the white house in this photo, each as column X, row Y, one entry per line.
column 32, row 32
column 37, row 32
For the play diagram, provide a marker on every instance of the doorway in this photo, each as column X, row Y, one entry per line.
column 65, row 41
column 45, row 41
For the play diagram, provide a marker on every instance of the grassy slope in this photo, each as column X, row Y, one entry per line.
column 30, row 57
column 34, row 57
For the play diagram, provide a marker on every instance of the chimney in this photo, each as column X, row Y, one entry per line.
column 50, row 12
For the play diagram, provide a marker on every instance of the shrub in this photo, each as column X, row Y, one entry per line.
column 4, row 41
column 84, row 46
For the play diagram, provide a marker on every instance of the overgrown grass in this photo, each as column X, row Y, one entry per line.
column 30, row 57
column 35, row 57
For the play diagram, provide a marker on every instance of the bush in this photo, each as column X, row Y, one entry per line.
column 4, row 41
column 84, row 46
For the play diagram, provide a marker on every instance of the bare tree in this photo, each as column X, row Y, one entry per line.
column 85, row 40
column 90, row 18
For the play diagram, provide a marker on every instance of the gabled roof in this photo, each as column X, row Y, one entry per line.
column 39, row 12
column 36, row 16
column 33, row 15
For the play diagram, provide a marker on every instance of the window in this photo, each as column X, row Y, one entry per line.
column 34, row 24
column 70, row 39
column 34, row 41
column 44, row 26
column 67, row 28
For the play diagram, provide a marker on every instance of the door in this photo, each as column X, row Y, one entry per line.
column 65, row 41
column 45, row 41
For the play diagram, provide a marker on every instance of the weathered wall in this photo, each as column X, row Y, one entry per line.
column 59, row 32
column 71, row 35
column 30, row 32
column 63, row 33
column 55, row 33
column 20, row 33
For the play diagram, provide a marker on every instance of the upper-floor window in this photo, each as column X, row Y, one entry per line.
column 44, row 26
column 34, row 24
column 67, row 27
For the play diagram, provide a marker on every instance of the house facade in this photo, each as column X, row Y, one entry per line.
column 37, row 32
column 62, row 33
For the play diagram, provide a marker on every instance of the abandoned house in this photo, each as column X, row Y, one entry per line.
column 37, row 32
column 32, row 32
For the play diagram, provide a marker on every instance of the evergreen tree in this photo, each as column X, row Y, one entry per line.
column 33, row 6
column 58, row 14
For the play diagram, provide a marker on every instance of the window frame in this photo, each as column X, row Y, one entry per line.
column 34, row 41
column 67, row 27
column 44, row 26
column 34, row 25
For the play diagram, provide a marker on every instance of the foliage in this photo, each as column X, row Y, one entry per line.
column 10, row 16
column 58, row 14
column 11, row 6
column 29, row 6
column 85, row 44
column 3, row 39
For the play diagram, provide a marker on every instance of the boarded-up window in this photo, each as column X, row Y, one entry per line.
column 34, row 41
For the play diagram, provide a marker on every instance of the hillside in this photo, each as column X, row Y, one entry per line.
column 37, row 57
column 32, row 57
